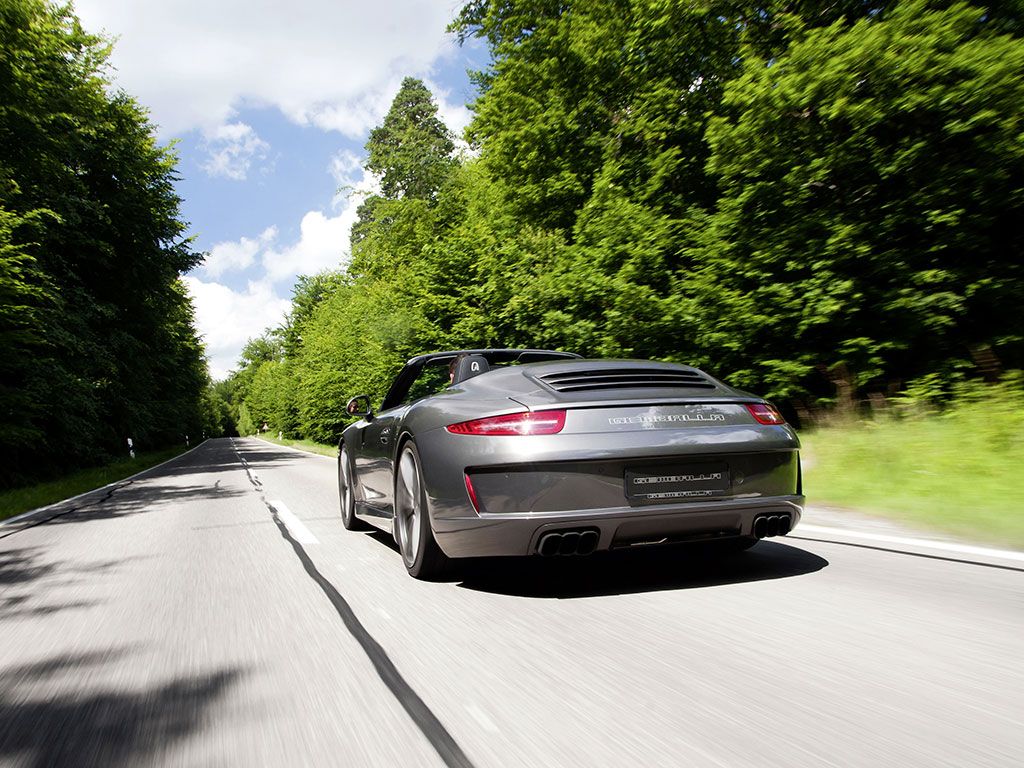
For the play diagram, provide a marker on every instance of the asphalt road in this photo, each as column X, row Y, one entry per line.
column 187, row 618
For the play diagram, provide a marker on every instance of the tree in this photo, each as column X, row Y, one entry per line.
column 871, row 185
column 805, row 198
column 581, row 90
column 308, row 293
column 24, row 295
column 412, row 149
column 91, row 219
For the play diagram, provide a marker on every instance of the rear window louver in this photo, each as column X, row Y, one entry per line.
column 624, row 378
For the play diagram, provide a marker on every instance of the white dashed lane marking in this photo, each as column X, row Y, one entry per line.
column 295, row 527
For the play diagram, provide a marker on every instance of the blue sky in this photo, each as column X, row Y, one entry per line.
column 270, row 104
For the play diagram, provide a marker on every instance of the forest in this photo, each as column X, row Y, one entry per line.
column 819, row 202
column 816, row 201
column 97, row 339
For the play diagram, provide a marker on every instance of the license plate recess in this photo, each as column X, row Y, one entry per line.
column 677, row 482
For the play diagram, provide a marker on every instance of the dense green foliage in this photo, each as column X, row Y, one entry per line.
column 97, row 342
column 411, row 151
column 813, row 200
column 870, row 184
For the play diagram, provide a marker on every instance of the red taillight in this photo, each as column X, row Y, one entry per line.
column 529, row 423
column 472, row 493
column 765, row 414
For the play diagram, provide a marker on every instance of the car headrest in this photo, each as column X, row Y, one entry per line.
column 470, row 366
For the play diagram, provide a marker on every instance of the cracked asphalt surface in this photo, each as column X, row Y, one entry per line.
column 178, row 620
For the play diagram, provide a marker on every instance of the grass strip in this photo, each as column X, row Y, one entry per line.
column 958, row 472
column 309, row 446
column 17, row 500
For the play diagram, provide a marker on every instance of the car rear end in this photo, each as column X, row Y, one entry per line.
column 611, row 454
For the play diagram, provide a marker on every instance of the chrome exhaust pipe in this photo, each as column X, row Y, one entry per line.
column 570, row 541
column 588, row 542
column 767, row 526
column 550, row 544
column 582, row 542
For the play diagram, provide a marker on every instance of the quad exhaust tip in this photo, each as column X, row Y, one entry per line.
column 772, row 525
column 584, row 541
column 571, row 542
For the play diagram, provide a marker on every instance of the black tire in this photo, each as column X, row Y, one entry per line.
column 422, row 557
column 347, row 501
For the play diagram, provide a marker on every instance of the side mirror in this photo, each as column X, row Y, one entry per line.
column 360, row 406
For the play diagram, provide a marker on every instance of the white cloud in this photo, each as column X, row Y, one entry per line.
column 227, row 318
column 354, row 182
column 323, row 239
column 353, row 117
column 346, row 168
column 236, row 255
column 322, row 245
column 231, row 149
column 195, row 63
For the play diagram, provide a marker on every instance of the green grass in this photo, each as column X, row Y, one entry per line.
column 18, row 500
column 958, row 472
column 304, row 445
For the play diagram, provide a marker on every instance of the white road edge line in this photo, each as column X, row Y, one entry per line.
column 295, row 527
column 48, row 507
column 942, row 546
column 297, row 450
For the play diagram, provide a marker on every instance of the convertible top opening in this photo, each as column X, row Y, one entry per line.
column 494, row 357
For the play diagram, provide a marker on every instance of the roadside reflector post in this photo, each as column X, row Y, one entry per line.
column 131, row 448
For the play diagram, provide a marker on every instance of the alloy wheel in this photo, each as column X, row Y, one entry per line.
column 408, row 506
column 345, row 483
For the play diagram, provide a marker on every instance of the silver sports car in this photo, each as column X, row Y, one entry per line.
column 489, row 452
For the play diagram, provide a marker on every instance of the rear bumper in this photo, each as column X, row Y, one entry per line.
column 513, row 534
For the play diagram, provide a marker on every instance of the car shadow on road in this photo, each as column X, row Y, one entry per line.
column 386, row 539
column 52, row 714
column 634, row 571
